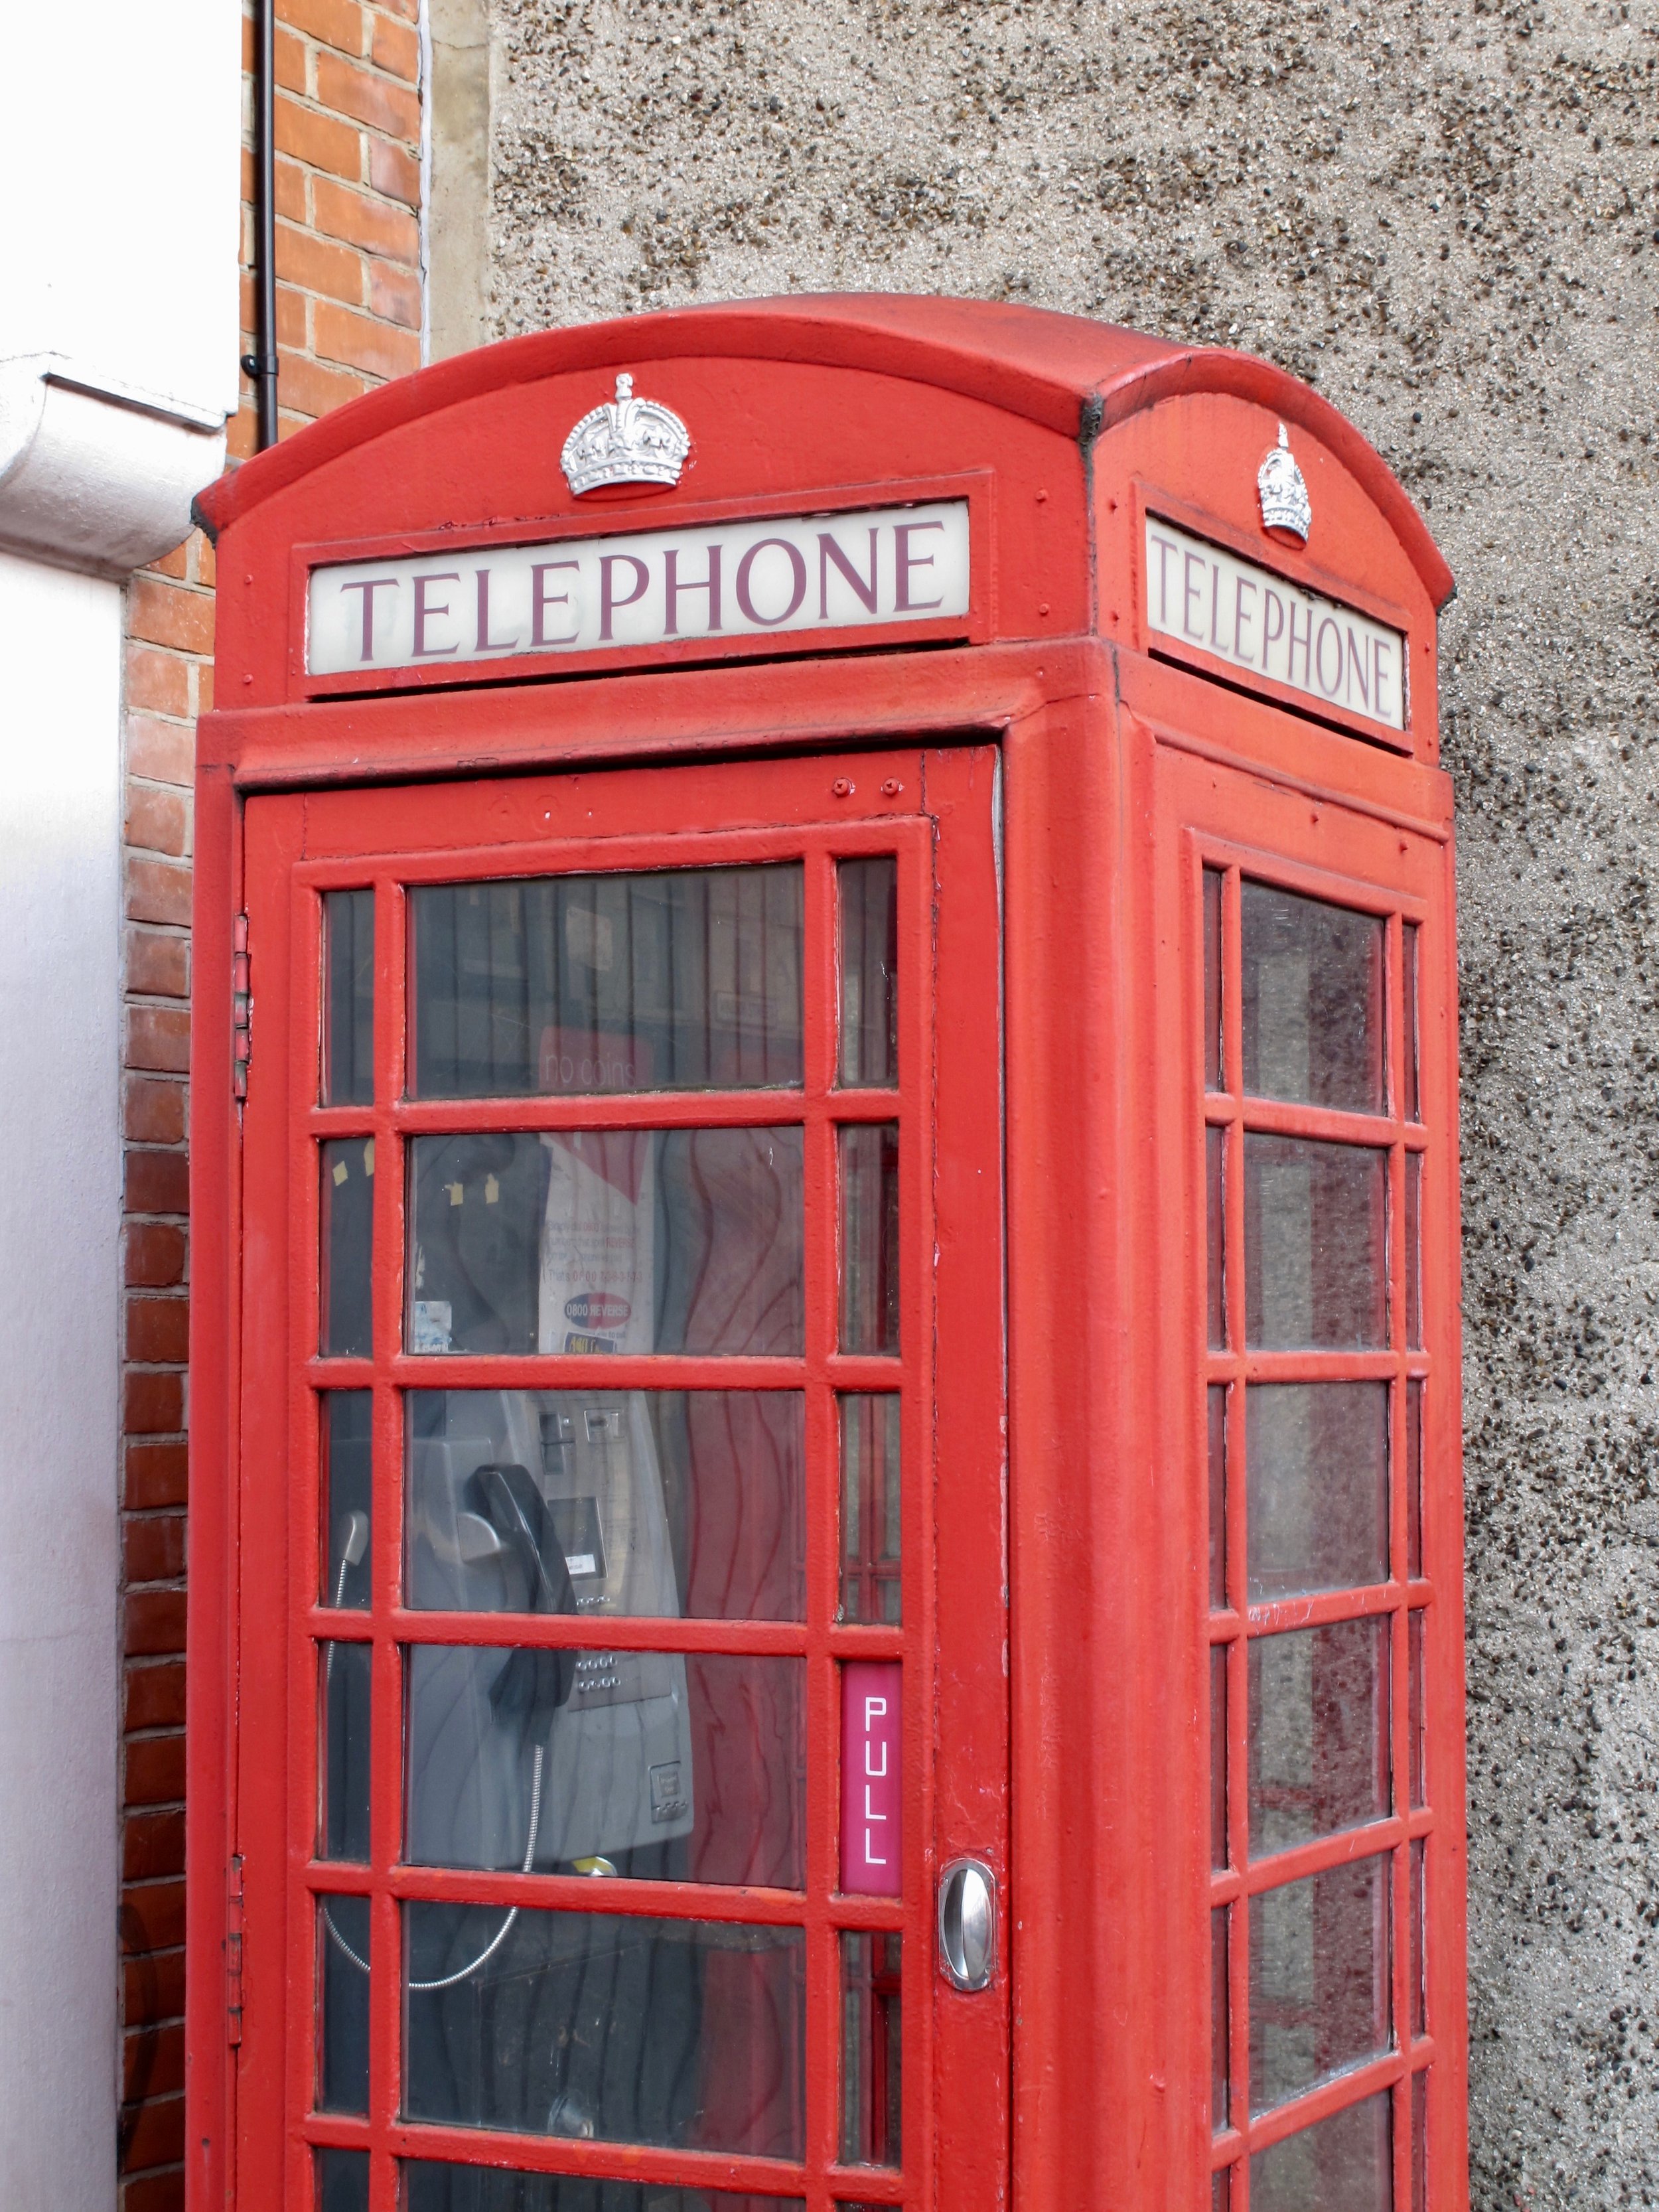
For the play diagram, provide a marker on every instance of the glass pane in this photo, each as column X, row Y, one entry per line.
column 1414, row 1479
column 431, row 2187
column 1315, row 1219
column 1319, row 1980
column 640, row 1505
column 658, row 1765
column 1344, row 2164
column 1217, row 1754
column 348, row 1001
column 869, row 971
column 872, row 2051
column 1420, row 2141
column 1419, row 1961
column 1213, row 1078
column 1215, row 1224
column 1416, row 1751
column 1219, row 2064
column 1408, row 961
column 686, row 980
column 1317, row 1458
column 342, row 2028
column 624, row 1240
column 343, row 2181
column 870, row 1509
column 1216, row 1411
column 345, row 1322
column 1319, row 1733
column 1312, row 1000
column 344, row 1823
column 1221, row 2189
column 1414, row 1251
column 348, row 1497
column 680, row 2032
column 869, row 1237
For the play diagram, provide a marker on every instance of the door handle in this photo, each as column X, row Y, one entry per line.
column 968, row 1923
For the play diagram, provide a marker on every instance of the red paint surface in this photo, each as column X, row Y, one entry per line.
column 871, row 1791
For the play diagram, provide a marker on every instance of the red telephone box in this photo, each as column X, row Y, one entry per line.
column 826, row 1527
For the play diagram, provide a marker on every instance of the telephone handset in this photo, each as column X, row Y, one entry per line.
column 533, row 1685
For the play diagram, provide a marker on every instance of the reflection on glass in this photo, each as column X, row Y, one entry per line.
column 872, row 2051
column 1344, row 2164
column 349, row 998
column 1315, row 1238
column 431, row 2187
column 640, row 1503
column 1312, row 1000
column 1220, row 2068
column 347, row 1495
column 343, row 2181
column 1414, row 1478
column 685, row 979
column 1316, row 1455
column 869, row 971
column 869, row 1237
column 1408, row 966
column 1215, row 1226
column 1215, row 1405
column 684, row 2033
column 1416, row 1728
column 1221, row 2189
column 347, row 1172
column 592, row 1242
column 1213, row 1077
column 870, row 1507
column 344, row 1825
column 650, row 1764
column 1420, row 2141
column 1217, row 1754
column 1419, row 1974
column 343, row 2026
column 1414, row 1251
column 1319, row 1733
column 1319, row 1980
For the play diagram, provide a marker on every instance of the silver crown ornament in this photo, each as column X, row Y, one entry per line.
column 627, row 440
column 1284, row 491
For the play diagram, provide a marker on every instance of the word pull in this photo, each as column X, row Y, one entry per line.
column 870, row 1777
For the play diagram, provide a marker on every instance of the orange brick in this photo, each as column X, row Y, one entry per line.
column 176, row 563
column 291, row 56
column 293, row 327
column 395, row 172
column 153, row 1110
column 153, row 1692
column 157, row 819
column 152, row 1917
column 163, row 751
column 336, row 22
column 153, row 1551
column 363, row 344
column 370, row 223
column 154, row 1620
column 158, row 1039
column 396, row 47
column 155, row 1256
column 157, row 1180
column 250, row 52
column 156, row 1475
column 153, row 1986
column 158, row 1328
column 409, row 9
column 169, row 614
column 153, row 2061
column 241, row 434
column 153, row 2135
column 158, row 967
column 159, row 681
column 320, row 141
column 206, row 567
column 290, row 191
column 156, row 1771
column 162, row 2191
column 157, row 890
column 201, row 687
column 394, row 295
column 375, row 100
column 152, row 1404
column 316, row 265
column 313, row 390
column 154, row 1844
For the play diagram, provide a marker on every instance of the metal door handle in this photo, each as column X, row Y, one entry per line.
column 968, row 1923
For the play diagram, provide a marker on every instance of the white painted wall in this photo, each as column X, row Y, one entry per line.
column 60, row 1214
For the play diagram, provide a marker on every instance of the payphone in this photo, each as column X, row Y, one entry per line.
column 825, row 1521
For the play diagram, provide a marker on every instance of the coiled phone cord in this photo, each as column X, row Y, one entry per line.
column 466, row 1973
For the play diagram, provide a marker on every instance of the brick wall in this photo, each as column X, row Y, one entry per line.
column 349, row 316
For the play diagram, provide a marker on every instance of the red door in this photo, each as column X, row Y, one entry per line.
column 622, row 1620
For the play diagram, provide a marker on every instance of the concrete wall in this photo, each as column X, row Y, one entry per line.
column 1443, row 213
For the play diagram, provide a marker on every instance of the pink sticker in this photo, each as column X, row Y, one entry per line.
column 870, row 1777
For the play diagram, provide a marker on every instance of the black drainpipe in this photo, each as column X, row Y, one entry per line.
column 260, row 365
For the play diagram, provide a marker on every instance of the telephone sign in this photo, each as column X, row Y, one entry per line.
column 824, row 1500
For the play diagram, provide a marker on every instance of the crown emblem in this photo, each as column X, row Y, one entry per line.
column 627, row 440
column 1283, row 491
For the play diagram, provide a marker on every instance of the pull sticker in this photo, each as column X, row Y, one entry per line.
column 872, row 1786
